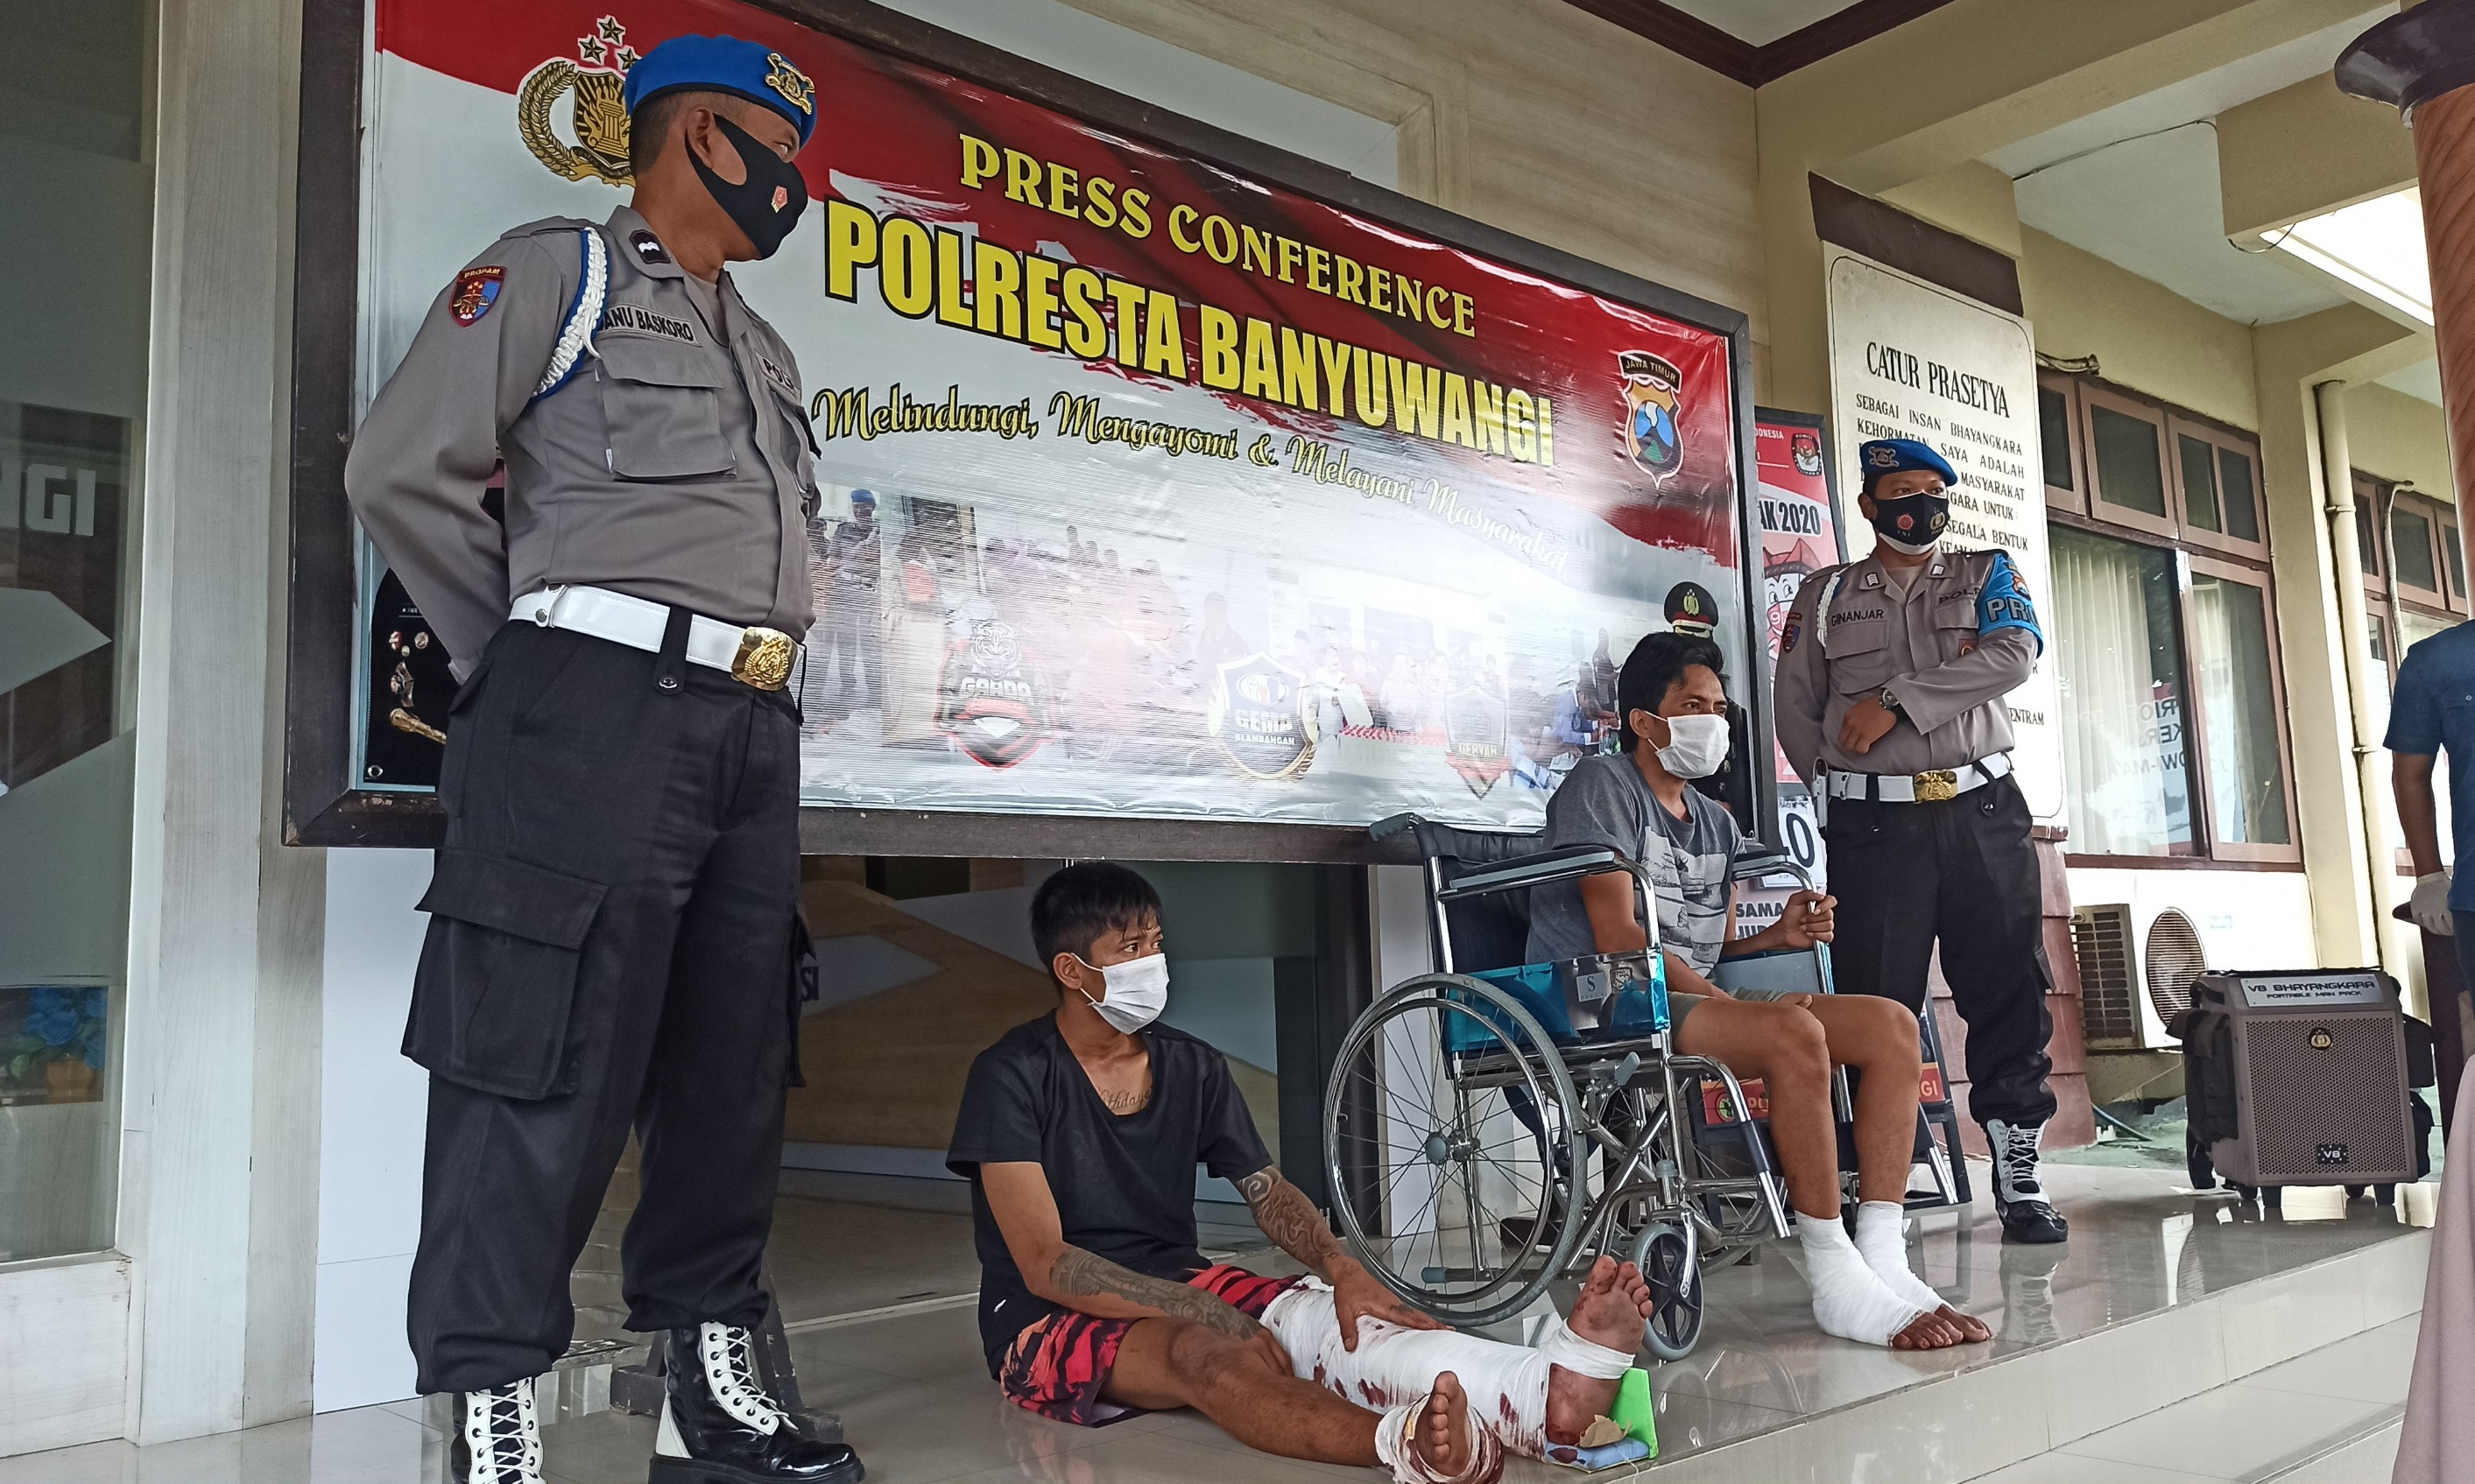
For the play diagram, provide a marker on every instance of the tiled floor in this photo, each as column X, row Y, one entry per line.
column 915, row 1399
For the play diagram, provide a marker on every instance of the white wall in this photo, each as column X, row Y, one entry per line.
column 372, row 1107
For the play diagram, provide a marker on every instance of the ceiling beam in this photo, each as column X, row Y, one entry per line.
column 1698, row 40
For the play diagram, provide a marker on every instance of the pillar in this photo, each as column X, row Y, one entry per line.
column 2423, row 60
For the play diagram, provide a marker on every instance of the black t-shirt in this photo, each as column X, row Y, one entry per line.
column 1125, row 1184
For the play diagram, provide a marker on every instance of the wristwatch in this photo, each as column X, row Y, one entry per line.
column 1891, row 704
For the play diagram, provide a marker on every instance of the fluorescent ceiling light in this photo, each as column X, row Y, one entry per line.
column 2376, row 246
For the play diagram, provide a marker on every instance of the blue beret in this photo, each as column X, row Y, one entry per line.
column 724, row 65
column 1890, row 456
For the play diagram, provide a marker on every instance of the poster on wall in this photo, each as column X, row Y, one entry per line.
column 1801, row 535
column 1150, row 489
column 1912, row 359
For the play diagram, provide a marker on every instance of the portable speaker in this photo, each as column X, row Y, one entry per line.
column 2300, row 1078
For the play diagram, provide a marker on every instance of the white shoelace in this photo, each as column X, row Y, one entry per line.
column 498, row 1422
column 2018, row 1156
column 730, row 1373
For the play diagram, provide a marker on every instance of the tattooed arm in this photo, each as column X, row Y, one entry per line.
column 1025, row 1210
column 1284, row 1214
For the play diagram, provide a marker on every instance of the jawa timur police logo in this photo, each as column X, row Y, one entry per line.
column 1692, row 611
column 990, row 698
column 1654, row 395
column 1259, row 716
column 596, row 77
column 1475, row 744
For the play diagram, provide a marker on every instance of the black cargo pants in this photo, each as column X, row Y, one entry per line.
column 611, row 945
column 1960, row 871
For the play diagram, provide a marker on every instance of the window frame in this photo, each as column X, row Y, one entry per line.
column 2075, row 500
column 2434, row 599
column 2218, row 554
column 2370, row 505
column 2190, row 564
column 2094, row 400
column 2220, row 443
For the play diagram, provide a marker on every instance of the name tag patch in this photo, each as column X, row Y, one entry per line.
column 780, row 376
column 636, row 319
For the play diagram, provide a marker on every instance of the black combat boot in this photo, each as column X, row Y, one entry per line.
column 2018, row 1197
column 498, row 1436
column 721, row 1424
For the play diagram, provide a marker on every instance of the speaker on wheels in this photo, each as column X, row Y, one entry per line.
column 2298, row 1078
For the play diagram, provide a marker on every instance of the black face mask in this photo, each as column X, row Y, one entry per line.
column 768, row 204
column 1911, row 523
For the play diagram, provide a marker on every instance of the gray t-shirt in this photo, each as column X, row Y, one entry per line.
column 1604, row 801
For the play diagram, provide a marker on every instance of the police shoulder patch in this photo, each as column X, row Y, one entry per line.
column 475, row 290
column 1791, row 631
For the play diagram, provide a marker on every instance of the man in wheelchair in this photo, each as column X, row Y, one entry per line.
column 1080, row 1133
column 1672, row 707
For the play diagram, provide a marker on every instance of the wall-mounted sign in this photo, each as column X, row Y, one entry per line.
column 1912, row 359
column 1151, row 489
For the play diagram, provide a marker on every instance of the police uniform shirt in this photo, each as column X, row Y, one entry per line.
column 1950, row 649
column 673, row 464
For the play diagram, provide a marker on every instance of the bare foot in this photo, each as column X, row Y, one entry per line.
column 1610, row 1312
column 1971, row 1330
column 1442, row 1434
column 1927, row 1332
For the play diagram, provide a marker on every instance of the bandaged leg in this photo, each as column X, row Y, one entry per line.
column 1883, row 1241
column 1849, row 1301
column 1393, row 1366
column 1395, row 1446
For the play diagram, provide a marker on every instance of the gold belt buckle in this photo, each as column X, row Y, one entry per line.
column 1936, row 785
column 763, row 658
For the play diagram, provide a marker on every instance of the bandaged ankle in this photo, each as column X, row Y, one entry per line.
column 1582, row 1357
column 1393, row 1366
column 1847, row 1300
column 1398, row 1453
column 1883, row 1241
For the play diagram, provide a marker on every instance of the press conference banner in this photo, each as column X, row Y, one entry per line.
column 1150, row 489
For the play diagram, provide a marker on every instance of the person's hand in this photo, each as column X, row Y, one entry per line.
column 1806, row 921
column 2430, row 905
column 1357, row 1294
column 1866, row 723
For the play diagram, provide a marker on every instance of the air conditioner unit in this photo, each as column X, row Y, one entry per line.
column 2134, row 983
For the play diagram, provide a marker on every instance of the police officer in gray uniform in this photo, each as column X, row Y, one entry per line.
column 1889, row 700
column 614, row 912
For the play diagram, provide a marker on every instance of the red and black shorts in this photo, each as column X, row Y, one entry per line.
column 1058, row 1367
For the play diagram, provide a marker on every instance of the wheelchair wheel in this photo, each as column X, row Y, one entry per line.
column 1671, row 1267
column 1450, row 1123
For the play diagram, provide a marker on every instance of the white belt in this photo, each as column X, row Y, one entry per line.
column 759, row 657
column 1930, row 787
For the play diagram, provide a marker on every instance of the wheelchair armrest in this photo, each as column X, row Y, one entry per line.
column 1537, row 870
column 1387, row 828
column 1771, row 862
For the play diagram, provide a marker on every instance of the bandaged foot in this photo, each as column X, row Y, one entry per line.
column 1507, row 1385
column 1852, row 1304
column 1589, row 1351
column 1434, row 1440
column 1883, row 1241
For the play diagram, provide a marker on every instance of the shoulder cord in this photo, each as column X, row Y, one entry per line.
column 583, row 316
column 1821, row 610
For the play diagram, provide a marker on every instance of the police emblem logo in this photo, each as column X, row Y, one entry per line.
column 475, row 290
column 781, row 197
column 597, row 76
column 648, row 248
column 791, row 82
column 1475, row 742
column 1654, row 402
column 989, row 699
column 1882, row 456
column 1792, row 630
column 1258, row 714
column 1692, row 610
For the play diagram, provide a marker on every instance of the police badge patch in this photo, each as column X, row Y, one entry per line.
column 475, row 290
column 1258, row 715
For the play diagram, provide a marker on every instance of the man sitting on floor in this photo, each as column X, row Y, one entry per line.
column 1674, row 712
column 1080, row 1133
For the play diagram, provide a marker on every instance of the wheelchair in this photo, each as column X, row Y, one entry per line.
column 1467, row 1108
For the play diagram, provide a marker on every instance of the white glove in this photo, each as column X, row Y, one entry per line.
column 2430, row 905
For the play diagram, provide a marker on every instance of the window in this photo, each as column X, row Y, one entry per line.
column 2232, row 647
column 2165, row 629
column 2125, row 744
column 2411, row 549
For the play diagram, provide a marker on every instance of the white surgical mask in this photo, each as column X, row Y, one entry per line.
column 1696, row 745
column 1136, row 992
